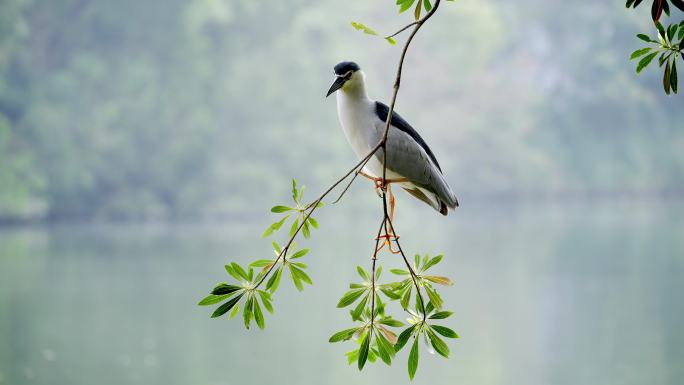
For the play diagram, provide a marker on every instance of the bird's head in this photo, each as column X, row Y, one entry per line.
column 348, row 76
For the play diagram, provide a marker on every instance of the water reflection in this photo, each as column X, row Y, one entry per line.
column 543, row 296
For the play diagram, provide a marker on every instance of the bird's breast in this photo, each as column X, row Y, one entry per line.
column 357, row 120
column 360, row 125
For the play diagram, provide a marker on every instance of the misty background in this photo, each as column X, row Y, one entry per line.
column 142, row 144
column 188, row 109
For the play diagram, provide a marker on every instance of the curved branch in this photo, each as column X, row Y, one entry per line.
column 404, row 28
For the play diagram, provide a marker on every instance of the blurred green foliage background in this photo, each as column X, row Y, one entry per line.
column 187, row 109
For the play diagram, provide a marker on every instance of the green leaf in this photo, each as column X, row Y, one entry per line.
column 362, row 27
column 646, row 60
column 232, row 272
column 413, row 359
column 433, row 261
column 404, row 337
column 441, row 315
column 301, row 194
column 391, row 322
column 294, row 227
column 313, row 222
column 666, row 78
column 350, row 297
column 671, row 31
column 276, row 247
column 352, row 356
column 385, row 348
column 212, row 299
column 399, row 272
column 305, row 230
column 378, row 272
column 440, row 280
column 240, row 271
column 645, row 38
column 233, row 313
column 406, row 298
column 247, row 313
column 301, row 274
column 661, row 30
column 222, row 289
column 405, row 5
column 223, row 309
column 427, row 5
column 262, row 263
column 435, row 299
column 294, row 190
column 391, row 41
column 343, row 335
column 280, row 209
column 258, row 315
column 266, row 300
column 363, row 350
column 639, row 52
column 439, row 345
column 363, row 273
column 274, row 281
column 419, row 303
column 358, row 310
column 445, row 331
column 673, row 76
column 416, row 12
column 295, row 279
column 662, row 58
column 416, row 262
column 299, row 253
column 389, row 293
column 274, row 227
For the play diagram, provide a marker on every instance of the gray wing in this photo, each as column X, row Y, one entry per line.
column 409, row 156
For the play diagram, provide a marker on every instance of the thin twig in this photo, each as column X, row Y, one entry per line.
column 310, row 208
column 414, row 277
column 375, row 257
column 404, row 28
column 358, row 171
column 383, row 143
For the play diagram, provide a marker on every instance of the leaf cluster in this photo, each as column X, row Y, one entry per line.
column 298, row 211
column 248, row 280
column 657, row 7
column 374, row 338
column 669, row 44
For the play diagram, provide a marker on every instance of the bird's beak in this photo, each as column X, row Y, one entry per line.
column 337, row 84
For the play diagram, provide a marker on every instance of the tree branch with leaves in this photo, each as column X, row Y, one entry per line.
column 668, row 43
column 373, row 321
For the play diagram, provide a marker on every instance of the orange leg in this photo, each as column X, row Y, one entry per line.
column 380, row 186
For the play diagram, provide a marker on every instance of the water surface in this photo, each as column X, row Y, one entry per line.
column 585, row 294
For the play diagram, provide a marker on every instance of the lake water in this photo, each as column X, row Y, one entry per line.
column 581, row 294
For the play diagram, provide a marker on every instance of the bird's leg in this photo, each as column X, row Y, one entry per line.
column 382, row 186
column 389, row 234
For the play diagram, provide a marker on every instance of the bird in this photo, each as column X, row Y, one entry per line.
column 411, row 164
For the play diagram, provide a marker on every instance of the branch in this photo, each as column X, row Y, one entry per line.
column 311, row 207
column 359, row 165
column 383, row 144
column 404, row 28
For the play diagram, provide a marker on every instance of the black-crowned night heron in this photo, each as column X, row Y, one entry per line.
column 410, row 162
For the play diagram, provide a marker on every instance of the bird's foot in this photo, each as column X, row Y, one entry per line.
column 382, row 184
column 387, row 241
